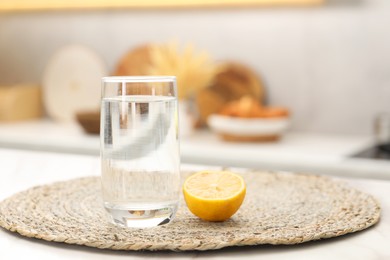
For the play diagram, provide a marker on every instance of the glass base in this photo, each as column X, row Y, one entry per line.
column 145, row 217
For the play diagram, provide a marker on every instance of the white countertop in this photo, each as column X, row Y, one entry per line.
column 301, row 152
column 23, row 169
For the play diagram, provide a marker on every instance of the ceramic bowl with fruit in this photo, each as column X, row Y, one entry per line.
column 247, row 120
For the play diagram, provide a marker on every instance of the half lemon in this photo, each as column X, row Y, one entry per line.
column 214, row 195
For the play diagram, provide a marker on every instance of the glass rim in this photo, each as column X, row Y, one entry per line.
column 129, row 79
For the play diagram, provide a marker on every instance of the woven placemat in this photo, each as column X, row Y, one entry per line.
column 279, row 208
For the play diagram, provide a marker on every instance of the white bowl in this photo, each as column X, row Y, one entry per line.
column 248, row 127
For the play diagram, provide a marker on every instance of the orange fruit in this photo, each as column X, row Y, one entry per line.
column 273, row 112
column 214, row 195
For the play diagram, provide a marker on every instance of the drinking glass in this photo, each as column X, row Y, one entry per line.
column 139, row 146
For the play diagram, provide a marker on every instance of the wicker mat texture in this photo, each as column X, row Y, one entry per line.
column 279, row 208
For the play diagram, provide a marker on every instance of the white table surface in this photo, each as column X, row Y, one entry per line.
column 23, row 169
column 300, row 152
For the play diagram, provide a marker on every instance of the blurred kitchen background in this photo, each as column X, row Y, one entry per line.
column 328, row 64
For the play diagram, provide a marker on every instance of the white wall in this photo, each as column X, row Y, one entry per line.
column 330, row 65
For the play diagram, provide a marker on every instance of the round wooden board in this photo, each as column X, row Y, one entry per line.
column 72, row 82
